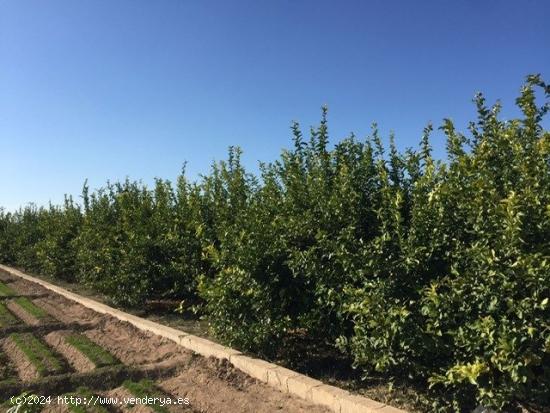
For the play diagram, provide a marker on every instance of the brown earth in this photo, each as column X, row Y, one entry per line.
column 24, row 287
column 25, row 369
column 76, row 359
column 133, row 346
column 22, row 314
column 210, row 385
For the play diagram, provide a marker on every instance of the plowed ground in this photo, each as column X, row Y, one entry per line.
column 51, row 347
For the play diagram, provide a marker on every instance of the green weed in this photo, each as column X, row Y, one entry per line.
column 38, row 353
column 95, row 353
column 6, row 317
column 31, row 308
column 5, row 291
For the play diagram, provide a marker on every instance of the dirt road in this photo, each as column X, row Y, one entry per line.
column 56, row 348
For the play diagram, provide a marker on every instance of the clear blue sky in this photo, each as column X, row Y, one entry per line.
column 103, row 89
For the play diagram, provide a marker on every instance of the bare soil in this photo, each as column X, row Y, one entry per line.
column 75, row 358
column 67, row 311
column 22, row 314
column 244, row 394
column 25, row 369
column 210, row 385
column 133, row 346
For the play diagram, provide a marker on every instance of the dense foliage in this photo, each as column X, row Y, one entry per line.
column 436, row 272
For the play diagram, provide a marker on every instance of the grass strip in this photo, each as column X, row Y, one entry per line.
column 38, row 354
column 6, row 291
column 104, row 378
column 31, row 308
column 94, row 352
column 6, row 317
column 146, row 388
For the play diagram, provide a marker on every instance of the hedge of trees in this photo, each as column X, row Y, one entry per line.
column 434, row 271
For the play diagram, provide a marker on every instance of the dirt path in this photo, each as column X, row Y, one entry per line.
column 75, row 351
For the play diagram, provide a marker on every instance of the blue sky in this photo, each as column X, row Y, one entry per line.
column 106, row 89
